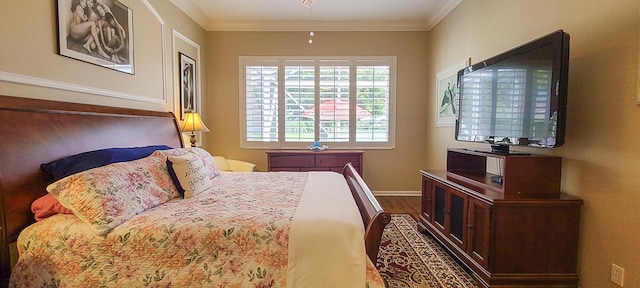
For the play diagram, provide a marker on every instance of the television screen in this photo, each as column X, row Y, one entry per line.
column 517, row 97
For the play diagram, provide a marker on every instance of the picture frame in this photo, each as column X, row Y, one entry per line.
column 188, row 95
column 97, row 32
column 447, row 94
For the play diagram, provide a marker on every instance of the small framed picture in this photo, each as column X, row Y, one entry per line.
column 188, row 97
column 447, row 98
column 98, row 32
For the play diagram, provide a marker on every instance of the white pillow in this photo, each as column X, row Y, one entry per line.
column 189, row 174
column 207, row 159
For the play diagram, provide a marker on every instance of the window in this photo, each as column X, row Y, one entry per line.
column 289, row 102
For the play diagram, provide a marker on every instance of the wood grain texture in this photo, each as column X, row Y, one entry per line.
column 39, row 131
column 373, row 216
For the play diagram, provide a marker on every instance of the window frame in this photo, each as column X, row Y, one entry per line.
column 353, row 62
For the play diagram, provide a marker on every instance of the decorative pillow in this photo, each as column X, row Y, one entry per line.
column 64, row 167
column 208, row 161
column 188, row 173
column 47, row 206
column 106, row 196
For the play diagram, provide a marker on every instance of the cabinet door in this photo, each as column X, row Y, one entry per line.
column 457, row 217
column 439, row 194
column 450, row 213
column 427, row 202
column 479, row 231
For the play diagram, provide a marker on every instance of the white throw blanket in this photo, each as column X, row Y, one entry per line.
column 326, row 256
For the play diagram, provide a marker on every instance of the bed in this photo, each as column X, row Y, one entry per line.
column 40, row 131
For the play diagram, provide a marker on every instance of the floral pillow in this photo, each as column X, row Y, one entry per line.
column 208, row 161
column 106, row 196
column 188, row 173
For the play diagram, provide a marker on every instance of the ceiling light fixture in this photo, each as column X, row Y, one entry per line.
column 309, row 4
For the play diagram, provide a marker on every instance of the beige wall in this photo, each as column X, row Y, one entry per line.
column 384, row 170
column 31, row 67
column 602, row 149
column 601, row 155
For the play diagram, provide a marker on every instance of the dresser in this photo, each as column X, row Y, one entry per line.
column 307, row 160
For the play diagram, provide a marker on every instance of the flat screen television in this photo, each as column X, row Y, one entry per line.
column 516, row 98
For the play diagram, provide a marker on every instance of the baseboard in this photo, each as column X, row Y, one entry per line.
column 397, row 193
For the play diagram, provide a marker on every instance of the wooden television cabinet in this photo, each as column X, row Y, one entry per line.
column 520, row 231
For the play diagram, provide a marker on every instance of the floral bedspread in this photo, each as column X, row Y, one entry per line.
column 232, row 235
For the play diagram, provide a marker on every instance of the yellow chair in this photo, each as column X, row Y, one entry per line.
column 230, row 165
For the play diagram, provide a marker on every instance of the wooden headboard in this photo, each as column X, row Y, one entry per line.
column 39, row 131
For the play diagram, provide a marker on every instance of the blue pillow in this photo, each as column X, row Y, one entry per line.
column 64, row 167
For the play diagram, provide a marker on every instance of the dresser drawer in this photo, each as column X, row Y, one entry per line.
column 337, row 160
column 307, row 169
column 277, row 161
column 285, row 169
column 304, row 160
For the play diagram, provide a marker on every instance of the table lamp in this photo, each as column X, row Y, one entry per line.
column 193, row 123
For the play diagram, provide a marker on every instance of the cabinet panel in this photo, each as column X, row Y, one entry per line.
column 449, row 212
column 337, row 160
column 479, row 231
column 339, row 169
column 439, row 202
column 427, row 202
column 292, row 161
column 284, row 169
column 305, row 160
column 456, row 212
column 307, row 169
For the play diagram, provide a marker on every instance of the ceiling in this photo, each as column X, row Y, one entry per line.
column 324, row 15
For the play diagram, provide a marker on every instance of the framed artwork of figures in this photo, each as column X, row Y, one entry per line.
column 447, row 98
column 188, row 97
column 98, row 32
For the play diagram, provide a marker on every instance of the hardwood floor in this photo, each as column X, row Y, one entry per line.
column 401, row 204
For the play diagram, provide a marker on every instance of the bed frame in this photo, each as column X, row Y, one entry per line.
column 39, row 131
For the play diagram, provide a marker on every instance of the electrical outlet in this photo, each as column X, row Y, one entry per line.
column 617, row 275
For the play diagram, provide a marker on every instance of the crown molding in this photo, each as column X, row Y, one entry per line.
column 420, row 25
column 441, row 12
column 318, row 26
column 192, row 12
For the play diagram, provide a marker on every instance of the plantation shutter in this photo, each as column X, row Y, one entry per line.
column 373, row 96
column 299, row 91
column 261, row 103
column 291, row 102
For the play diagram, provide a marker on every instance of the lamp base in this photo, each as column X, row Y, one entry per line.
column 193, row 140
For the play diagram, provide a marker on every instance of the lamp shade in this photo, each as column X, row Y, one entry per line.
column 193, row 123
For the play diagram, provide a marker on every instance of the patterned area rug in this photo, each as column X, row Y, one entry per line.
column 408, row 258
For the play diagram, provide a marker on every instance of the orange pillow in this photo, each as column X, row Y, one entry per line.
column 47, row 206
